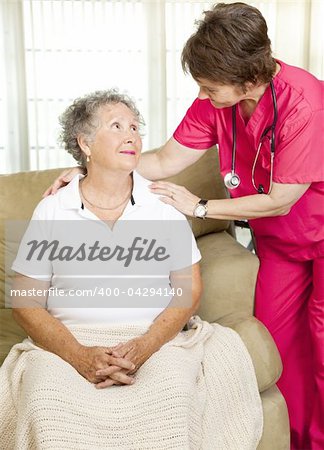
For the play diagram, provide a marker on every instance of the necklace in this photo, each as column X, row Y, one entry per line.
column 100, row 207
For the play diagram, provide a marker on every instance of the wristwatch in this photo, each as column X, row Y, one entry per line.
column 200, row 210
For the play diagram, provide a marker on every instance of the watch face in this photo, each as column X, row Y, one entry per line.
column 200, row 211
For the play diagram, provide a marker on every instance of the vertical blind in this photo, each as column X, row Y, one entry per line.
column 53, row 51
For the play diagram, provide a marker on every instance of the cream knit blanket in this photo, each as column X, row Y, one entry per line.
column 198, row 392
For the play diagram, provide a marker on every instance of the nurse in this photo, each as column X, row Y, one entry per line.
column 267, row 118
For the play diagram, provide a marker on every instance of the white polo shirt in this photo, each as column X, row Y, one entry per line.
column 67, row 205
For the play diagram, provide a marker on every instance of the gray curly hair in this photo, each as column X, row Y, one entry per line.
column 80, row 118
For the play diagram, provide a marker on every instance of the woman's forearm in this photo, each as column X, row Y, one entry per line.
column 48, row 332
column 172, row 320
column 168, row 160
column 149, row 166
column 51, row 335
column 277, row 203
column 249, row 207
column 168, row 324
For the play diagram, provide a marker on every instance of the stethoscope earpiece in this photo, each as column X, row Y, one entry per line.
column 232, row 180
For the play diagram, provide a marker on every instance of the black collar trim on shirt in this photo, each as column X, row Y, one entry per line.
column 132, row 201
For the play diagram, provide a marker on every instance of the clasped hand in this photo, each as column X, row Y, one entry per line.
column 108, row 366
column 91, row 359
column 136, row 351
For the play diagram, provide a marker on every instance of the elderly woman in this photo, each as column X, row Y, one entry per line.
column 48, row 395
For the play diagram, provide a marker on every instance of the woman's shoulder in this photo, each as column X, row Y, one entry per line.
column 53, row 206
column 141, row 190
column 46, row 208
column 156, row 207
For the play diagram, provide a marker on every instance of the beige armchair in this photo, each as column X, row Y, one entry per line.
column 229, row 274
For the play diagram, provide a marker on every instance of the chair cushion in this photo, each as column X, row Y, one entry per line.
column 261, row 347
column 229, row 273
column 10, row 333
column 20, row 192
column 276, row 435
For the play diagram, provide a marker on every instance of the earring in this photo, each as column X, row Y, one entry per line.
column 88, row 158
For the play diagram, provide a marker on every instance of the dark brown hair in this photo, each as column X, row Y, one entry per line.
column 230, row 46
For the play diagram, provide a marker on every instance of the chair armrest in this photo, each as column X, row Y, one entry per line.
column 261, row 347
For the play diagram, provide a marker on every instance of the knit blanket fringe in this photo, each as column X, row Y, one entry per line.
column 199, row 391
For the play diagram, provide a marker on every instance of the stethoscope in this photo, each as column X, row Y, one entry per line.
column 231, row 179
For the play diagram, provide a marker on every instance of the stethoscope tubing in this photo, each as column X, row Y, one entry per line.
column 272, row 127
column 234, row 138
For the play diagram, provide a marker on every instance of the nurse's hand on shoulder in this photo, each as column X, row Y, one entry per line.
column 175, row 195
column 62, row 180
column 277, row 203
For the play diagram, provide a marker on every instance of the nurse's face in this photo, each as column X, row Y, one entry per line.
column 220, row 95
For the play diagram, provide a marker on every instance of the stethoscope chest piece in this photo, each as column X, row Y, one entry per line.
column 232, row 180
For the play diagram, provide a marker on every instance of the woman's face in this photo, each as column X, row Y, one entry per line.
column 117, row 143
column 220, row 95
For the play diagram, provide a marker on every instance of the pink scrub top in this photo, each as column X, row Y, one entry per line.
column 298, row 159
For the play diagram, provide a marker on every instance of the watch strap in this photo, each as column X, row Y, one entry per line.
column 202, row 202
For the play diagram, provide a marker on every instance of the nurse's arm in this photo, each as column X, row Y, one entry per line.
column 277, row 203
column 169, row 160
